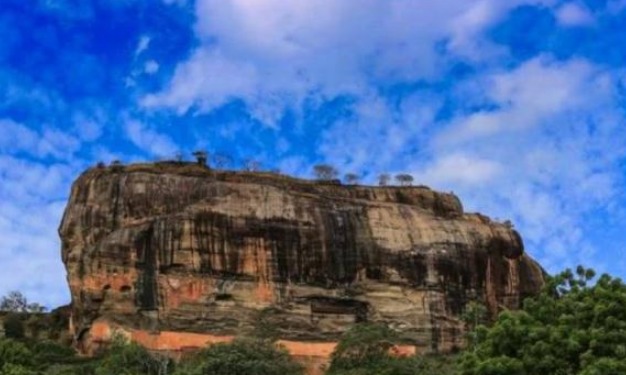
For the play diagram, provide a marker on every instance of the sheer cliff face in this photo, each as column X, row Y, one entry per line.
column 182, row 251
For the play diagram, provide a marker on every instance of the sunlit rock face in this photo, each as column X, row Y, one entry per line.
column 168, row 251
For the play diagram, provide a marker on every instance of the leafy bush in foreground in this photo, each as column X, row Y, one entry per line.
column 124, row 358
column 366, row 349
column 241, row 357
column 570, row 328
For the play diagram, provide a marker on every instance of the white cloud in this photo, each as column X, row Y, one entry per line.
column 88, row 128
column 275, row 54
column 57, row 143
column 573, row 14
column 151, row 67
column 207, row 80
column 16, row 137
column 142, row 45
column 50, row 141
column 294, row 166
column 462, row 170
column 32, row 198
column 375, row 125
column 467, row 27
column 529, row 96
column 149, row 140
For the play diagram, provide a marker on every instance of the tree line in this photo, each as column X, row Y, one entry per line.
column 321, row 172
column 326, row 172
column 575, row 326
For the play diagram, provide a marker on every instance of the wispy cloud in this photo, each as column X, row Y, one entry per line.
column 50, row 141
column 573, row 14
column 276, row 54
column 149, row 140
column 151, row 67
column 142, row 46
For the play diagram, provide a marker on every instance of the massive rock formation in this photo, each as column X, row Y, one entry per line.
column 179, row 255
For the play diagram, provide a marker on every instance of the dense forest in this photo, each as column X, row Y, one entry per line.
column 576, row 325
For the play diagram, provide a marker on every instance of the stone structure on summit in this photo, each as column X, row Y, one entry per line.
column 177, row 256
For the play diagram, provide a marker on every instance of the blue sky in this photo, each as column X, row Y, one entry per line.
column 518, row 106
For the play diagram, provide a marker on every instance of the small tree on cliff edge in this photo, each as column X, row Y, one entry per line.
column 201, row 157
column 351, row 178
column 383, row 179
column 325, row 172
column 404, row 179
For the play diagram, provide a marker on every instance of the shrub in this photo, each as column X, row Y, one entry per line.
column 14, row 326
column 241, row 357
column 364, row 347
column 570, row 328
column 14, row 353
column 383, row 179
column 48, row 352
column 128, row 359
column 325, row 172
column 404, row 179
column 11, row 369
column 366, row 350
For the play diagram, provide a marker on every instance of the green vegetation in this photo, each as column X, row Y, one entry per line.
column 43, row 357
column 126, row 358
column 404, row 179
column 572, row 327
column 14, row 353
column 576, row 326
column 21, row 319
column 14, row 326
column 325, row 172
column 16, row 302
column 241, row 357
column 365, row 346
column 367, row 349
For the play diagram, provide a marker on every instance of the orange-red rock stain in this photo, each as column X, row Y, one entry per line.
column 314, row 356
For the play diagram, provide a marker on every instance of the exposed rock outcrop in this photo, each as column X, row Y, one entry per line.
column 165, row 249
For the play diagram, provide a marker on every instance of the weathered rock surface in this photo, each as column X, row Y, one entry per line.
column 164, row 249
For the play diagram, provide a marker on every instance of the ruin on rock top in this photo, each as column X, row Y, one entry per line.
column 177, row 256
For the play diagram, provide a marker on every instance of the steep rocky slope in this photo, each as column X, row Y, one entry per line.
column 178, row 255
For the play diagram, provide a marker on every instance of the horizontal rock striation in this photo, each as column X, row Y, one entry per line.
column 180, row 248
